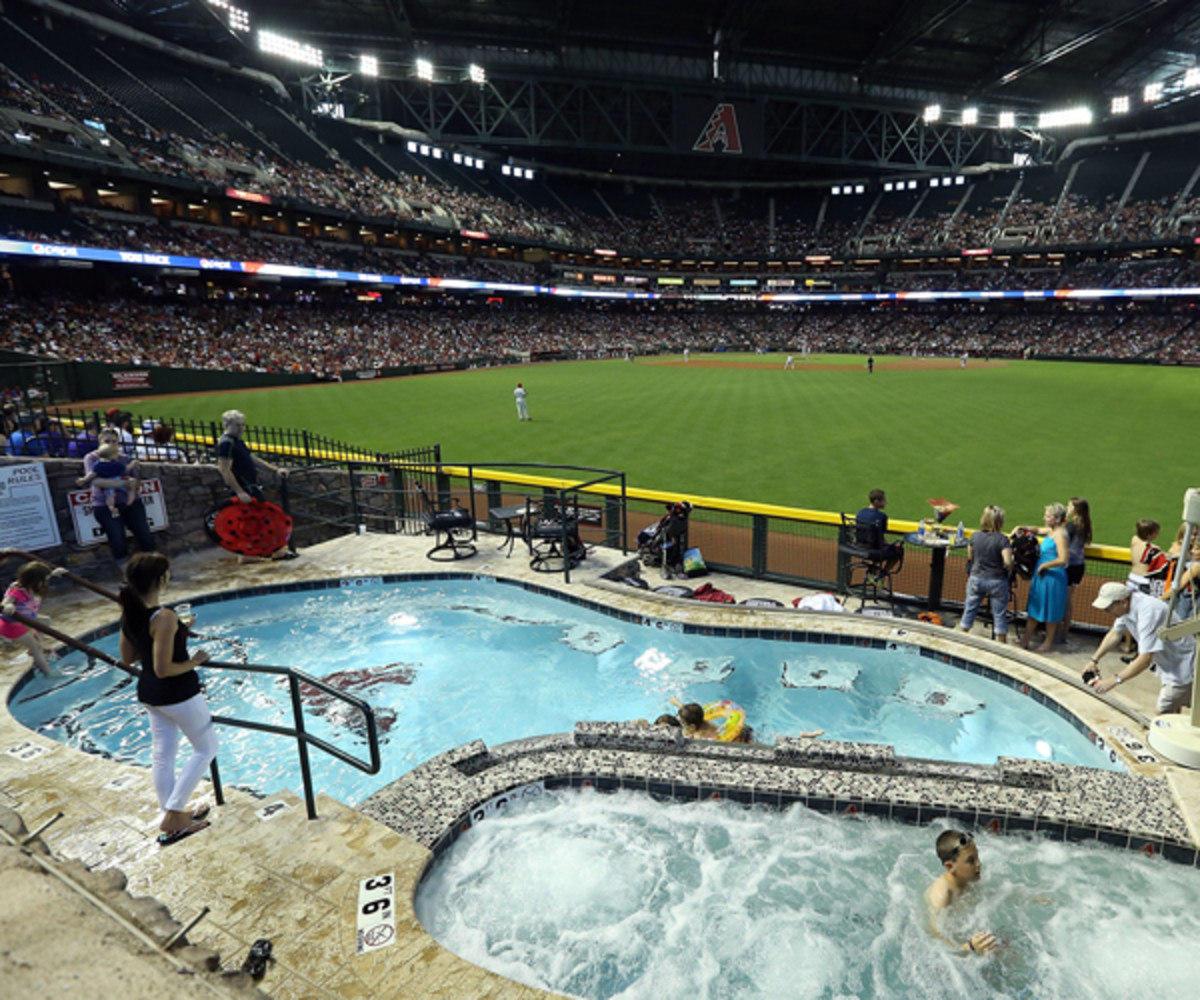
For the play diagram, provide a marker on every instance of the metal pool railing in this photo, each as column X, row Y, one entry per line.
column 295, row 679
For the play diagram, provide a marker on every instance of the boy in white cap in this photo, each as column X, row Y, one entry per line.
column 1141, row 616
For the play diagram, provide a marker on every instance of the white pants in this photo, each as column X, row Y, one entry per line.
column 193, row 719
column 522, row 410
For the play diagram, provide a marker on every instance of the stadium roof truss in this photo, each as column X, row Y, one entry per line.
column 636, row 117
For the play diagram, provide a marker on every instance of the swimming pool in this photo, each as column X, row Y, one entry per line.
column 452, row 659
column 618, row 895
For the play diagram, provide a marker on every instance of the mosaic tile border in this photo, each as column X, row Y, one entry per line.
column 901, row 636
column 443, row 798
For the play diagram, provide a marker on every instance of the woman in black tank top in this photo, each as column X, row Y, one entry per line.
column 169, row 688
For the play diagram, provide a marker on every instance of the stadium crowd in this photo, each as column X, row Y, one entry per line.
column 660, row 225
column 303, row 332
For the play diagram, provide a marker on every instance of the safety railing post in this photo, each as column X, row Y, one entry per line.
column 562, row 509
column 494, row 499
column 215, row 774
column 612, row 524
column 302, row 746
column 758, row 550
column 355, row 510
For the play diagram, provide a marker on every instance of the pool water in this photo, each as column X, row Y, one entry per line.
column 618, row 895
column 449, row 661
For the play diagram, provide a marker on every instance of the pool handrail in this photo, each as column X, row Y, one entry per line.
column 302, row 737
column 295, row 679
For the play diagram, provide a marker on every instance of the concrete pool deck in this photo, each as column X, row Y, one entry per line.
column 272, row 873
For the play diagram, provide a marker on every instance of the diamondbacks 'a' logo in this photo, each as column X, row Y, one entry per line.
column 722, row 129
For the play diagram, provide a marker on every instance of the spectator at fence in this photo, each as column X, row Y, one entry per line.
column 157, row 445
column 130, row 511
column 25, row 440
column 239, row 468
column 1079, row 537
column 85, row 441
column 1147, row 562
column 990, row 557
column 55, row 442
column 888, row 553
column 1048, row 588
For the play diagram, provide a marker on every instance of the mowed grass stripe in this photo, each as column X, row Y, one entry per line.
column 1017, row 434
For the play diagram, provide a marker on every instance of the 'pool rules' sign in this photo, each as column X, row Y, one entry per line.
column 28, row 522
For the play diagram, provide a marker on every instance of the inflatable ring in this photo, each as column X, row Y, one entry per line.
column 257, row 528
column 729, row 718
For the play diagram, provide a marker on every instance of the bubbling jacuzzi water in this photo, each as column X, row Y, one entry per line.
column 618, row 895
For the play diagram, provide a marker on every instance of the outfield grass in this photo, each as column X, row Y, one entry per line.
column 1019, row 434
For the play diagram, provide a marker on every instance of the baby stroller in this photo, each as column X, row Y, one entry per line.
column 663, row 543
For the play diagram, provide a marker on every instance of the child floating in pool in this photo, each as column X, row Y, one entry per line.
column 695, row 726
column 960, row 857
column 25, row 597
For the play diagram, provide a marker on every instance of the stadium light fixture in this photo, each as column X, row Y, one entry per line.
column 423, row 149
column 1152, row 92
column 368, row 65
column 858, row 188
column 1008, row 119
column 411, row 146
column 959, row 180
column 1120, row 105
column 932, row 114
column 1068, row 116
column 477, row 74
column 437, row 153
column 424, row 70
column 1191, row 79
column 970, row 116
column 456, row 158
column 912, row 185
column 506, row 170
column 888, row 186
column 277, row 45
column 478, row 163
column 836, row 189
column 235, row 17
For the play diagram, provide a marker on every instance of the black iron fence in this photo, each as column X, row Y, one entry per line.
column 56, row 432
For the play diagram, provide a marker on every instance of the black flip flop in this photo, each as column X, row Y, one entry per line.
column 166, row 839
column 255, row 965
column 201, row 814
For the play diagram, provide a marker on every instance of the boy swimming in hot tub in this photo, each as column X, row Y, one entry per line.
column 960, row 857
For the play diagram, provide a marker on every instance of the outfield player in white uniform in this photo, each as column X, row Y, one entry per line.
column 522, row 409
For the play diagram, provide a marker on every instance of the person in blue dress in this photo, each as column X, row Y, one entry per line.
column 1048, row 588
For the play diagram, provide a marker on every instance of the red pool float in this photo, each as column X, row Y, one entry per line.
column 257, row 528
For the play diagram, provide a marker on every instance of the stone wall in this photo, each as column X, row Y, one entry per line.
column 189, row 491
